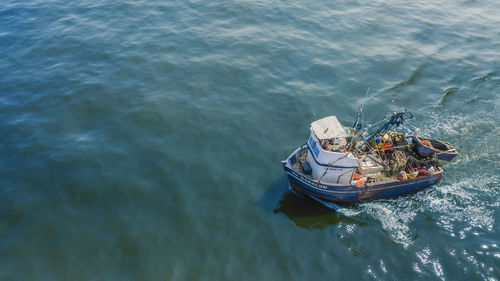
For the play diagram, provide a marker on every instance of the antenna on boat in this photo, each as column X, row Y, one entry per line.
column 358, row 124
column 364, row 100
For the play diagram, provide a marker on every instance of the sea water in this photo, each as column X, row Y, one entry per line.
column 142, row 140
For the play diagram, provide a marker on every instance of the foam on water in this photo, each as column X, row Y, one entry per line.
column 466, row 198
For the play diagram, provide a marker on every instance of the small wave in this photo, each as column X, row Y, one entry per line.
column 485, row 77
column 447, row 94
column 410, row 81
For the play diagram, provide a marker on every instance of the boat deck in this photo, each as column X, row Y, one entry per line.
column 298, row 160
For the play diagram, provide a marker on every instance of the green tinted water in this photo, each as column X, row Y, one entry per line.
column 143, row 140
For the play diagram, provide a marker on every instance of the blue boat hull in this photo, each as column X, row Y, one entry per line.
column 427, row 151
column 446, row 156
column 355, row 193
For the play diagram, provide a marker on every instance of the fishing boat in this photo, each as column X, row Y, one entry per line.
column 429, row 147
column 340, row 165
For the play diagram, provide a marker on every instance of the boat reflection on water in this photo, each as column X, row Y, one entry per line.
column 309, row 214
column 302, row 210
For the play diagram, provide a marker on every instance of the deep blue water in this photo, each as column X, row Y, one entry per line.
column 141, row 140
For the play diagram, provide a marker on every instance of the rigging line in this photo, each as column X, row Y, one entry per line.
column 363, row 106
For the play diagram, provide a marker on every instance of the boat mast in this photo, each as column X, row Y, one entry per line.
column 358, row 124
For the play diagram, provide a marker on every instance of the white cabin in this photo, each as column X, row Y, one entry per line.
column 327, row 155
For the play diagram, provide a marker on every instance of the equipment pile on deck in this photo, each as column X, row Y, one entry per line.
column 391, row 156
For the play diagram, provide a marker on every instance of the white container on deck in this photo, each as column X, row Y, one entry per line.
column 369, row 164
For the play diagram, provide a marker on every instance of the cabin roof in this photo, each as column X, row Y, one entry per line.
column 328, row 128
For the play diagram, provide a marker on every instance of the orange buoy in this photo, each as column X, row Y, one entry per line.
column 360, row 182
column 386, row 146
